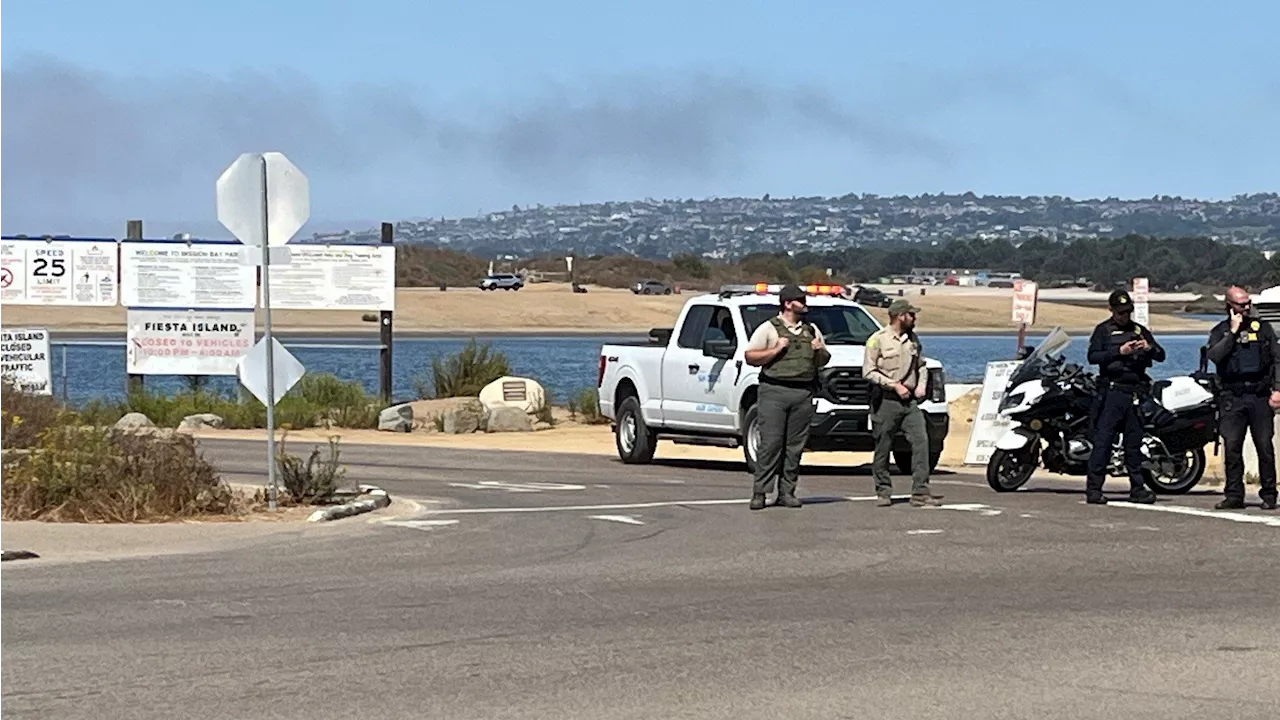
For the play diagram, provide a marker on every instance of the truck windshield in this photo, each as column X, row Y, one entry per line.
column 839, row 324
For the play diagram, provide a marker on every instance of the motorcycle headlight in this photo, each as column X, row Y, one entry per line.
column 1012, row 400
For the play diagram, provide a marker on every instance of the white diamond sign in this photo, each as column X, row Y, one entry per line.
column 241, row 202
column 252, row 371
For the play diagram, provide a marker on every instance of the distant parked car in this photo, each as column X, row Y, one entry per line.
column 651, row 287
column 871, row 297
column 502, row 281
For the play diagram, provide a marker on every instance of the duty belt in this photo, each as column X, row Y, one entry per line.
column 1131, row 388
column 1255, row 387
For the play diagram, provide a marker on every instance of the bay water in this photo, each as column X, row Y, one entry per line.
column 565, row 365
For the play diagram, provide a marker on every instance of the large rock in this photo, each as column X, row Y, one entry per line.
column 508, row 419
column 397, row 418
column 135, row 422
column 200, row 421
column 516, row 392
column 466, row 418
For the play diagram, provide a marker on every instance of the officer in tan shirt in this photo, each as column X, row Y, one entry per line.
column 894, row 364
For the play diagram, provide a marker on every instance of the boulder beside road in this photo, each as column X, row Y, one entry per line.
column 135, row 422
column 514, row 392
column 466, row 418
column 397, row 418
column 200, row 421
column 508, row 419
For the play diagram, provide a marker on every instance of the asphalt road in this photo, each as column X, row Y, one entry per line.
column 543, row 586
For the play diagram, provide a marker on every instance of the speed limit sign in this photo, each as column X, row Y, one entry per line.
column 59, row 272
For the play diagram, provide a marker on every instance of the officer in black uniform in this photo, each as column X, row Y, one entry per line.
column 1123, row 350
column 1247, row 355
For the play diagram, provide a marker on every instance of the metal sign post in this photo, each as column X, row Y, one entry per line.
column 272, row 482
column 263, row 199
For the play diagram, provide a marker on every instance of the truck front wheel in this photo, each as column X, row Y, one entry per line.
column 751, row 438
column 633, row 438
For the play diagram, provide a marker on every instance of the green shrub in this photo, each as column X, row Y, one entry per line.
column 78, row 473
column 465, row 373
column 25, row 416
column 544, row 413
column 587, row 405
column 310, row 482
column 315, row 399
column 344, row 403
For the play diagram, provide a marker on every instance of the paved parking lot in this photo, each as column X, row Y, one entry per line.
column 535, row 585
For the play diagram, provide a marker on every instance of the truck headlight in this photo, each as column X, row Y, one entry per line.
column 937, row 385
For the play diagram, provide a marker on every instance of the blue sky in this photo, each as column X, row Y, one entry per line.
column 395, row 110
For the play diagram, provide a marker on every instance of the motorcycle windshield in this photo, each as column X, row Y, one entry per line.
column 1049, row 348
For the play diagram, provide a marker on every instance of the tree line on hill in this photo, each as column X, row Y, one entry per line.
column 1169, row 263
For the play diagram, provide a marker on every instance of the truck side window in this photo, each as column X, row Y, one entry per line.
column 696, row 322
column 722, row 327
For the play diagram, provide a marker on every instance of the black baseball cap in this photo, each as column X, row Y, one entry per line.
column 1120, row 299
column 791, row 292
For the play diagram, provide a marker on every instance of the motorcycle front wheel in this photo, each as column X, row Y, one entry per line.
column 1008, row 470
column 1188, row 469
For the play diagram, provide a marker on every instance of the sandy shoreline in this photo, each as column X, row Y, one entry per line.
column 548, row 310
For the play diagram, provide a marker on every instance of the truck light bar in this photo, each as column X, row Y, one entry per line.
column 773, row 289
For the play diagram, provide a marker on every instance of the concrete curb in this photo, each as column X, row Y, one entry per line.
column 17, row 555
column 373, row 498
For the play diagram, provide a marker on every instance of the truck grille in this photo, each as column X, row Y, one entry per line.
column 845, row 386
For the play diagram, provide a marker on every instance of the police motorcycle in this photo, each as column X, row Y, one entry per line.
column 1049, row 403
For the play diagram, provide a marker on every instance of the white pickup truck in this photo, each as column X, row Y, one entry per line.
column 690, row 384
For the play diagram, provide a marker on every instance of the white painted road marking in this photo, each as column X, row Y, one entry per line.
column 972, row 507
column 628, row 519
column 617, row 506
column 529, row 487
column 421, row 524
column 924, row 532
column 1273, row 521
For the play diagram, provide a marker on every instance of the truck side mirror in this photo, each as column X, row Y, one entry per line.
column 719, row 349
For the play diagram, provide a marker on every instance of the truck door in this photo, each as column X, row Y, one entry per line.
column 697, row 387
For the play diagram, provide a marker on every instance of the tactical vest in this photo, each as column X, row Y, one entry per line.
column 1125, row 370
column 796, row 363
column 1250, row 361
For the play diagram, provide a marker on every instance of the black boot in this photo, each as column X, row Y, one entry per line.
column 1098, row 499
column 1231, row 503
column 788, row 500
column 1268, row 503
column 1142, row 496
column 757, row 501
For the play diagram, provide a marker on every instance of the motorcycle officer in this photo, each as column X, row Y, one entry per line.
column 1123, row 350
column 1247, row 354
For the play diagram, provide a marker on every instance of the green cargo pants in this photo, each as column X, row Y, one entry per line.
column 783, row 414
column 892, row 415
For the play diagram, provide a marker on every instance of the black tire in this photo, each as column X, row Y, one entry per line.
column 749, row 446
column 667, row 291
column 1187, row 479
column 902, row 458
column 633, row 439
column 1008, row 470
